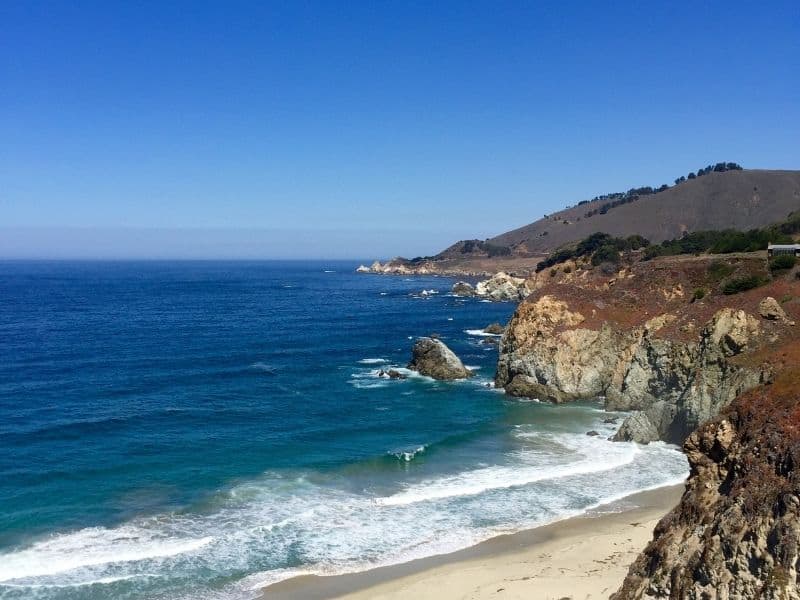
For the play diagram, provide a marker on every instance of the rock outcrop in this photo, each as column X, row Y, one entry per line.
column 401, row 266
column 433, row 358
column 637, row 428
column 503, row 287
column 672, row 385
column 462, row 288
column 736, row 532
column 770, row 309
column 494, row 329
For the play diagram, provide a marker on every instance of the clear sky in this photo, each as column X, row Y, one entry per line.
column 361, row 129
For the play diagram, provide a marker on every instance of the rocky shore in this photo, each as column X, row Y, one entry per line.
column 736, row 532
column 463, row 266
column 500, row 287
column 641, row 341
column 717, row 372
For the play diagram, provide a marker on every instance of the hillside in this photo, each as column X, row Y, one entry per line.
column 733, row 199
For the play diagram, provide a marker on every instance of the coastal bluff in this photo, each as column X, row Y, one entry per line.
column 640, row 339
column 736, row 532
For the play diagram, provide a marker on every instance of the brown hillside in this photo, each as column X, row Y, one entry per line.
column 733, row 199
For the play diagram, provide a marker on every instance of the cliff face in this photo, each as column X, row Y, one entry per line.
column 736, row 532
column 636, row 339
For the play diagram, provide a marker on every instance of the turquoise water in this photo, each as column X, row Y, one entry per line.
column 201, row 429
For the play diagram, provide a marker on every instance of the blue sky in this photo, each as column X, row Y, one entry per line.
column 368, row 128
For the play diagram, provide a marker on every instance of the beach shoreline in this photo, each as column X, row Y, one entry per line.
column 585, row 556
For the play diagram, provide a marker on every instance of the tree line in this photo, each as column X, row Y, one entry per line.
column 602, row 247
column 619, row 198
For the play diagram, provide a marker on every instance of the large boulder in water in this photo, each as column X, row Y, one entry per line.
column 433, row 358
column 462, row 288
column 637, row 428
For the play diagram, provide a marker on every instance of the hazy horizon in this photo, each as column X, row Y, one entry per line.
column 382, row 130
column 208, row 244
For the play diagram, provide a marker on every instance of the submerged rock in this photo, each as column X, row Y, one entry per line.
column 394, row 374
column 494, row 328
column 433, row 358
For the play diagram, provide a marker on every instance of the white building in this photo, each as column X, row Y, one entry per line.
column 778, row 249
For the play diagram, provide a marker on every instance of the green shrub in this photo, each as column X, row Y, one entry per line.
column 652, row 252
column 494, row 250
column 611, row 247
column 635, row 242
column 699, row 294
column 719, row 270
column 742, row 284
column 553, row 272
column 555, row 258
column 607, row 253
column 782, row 262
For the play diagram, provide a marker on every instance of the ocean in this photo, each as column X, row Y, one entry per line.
column 175, row 430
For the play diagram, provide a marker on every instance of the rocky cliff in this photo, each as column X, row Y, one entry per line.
column 642, row 341
column 736, row 532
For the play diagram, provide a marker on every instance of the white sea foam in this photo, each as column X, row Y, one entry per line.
column 491, row 478
column 369, row 385
column 262, row 579
column 373, row 361
column 91, row 547
column 276, row 518
column 379, row 377
column 98, row 581
column 481, row 332
column 407, row 455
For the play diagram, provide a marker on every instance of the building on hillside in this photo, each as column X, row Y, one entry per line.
column 778, row 249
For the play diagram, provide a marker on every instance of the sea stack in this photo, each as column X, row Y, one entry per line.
column 433, row 358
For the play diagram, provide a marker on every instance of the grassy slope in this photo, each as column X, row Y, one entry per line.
column 735, row 199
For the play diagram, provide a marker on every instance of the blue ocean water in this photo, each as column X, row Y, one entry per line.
column 201, row 429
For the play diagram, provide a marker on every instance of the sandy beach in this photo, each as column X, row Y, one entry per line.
column 584, row 557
